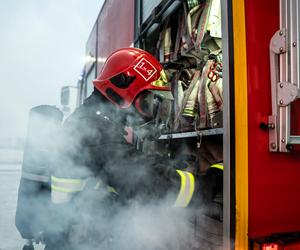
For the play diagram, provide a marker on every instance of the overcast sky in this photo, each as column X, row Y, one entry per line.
column 42, row 46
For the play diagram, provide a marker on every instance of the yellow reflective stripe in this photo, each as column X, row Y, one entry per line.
column 66, row 185
column 186, row 189
column 162, row 81
column 64, row 180
column 189, row 112
column 112, row 190
column 65, row 190
column 163, row 76
column 218, row 166
column 74, row 186
column 159, row 83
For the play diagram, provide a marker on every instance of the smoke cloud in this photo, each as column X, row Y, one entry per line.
column 42, row 48
column 96, row 218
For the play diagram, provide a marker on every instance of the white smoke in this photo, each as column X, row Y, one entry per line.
column 96, row 219
column 42, row 49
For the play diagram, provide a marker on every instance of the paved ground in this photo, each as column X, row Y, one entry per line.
column 9, row 181
column 10, row 239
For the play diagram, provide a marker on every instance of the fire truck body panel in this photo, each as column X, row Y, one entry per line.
column 274, row 187
column 115, row 28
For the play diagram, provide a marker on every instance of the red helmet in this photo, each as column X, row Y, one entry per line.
column 127, row 72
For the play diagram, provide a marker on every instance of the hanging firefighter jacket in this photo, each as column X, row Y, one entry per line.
column 191, row 41
column 34, row 191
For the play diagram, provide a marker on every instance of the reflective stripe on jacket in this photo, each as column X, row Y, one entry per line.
column 34, row 177
column 218, row 166
column 187, row 189
column 62, row 189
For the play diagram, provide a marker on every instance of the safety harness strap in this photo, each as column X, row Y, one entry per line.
column 35, row 177
column 186, row 189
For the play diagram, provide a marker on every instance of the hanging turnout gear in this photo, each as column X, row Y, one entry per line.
column 197, row 43
column 34, row 190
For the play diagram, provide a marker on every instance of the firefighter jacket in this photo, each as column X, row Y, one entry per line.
column 97, row 168
column 93, row 153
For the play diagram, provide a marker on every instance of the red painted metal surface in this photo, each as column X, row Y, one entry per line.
column 292, row 246
column 90, row 48
column 115, row 28
column 274, row 178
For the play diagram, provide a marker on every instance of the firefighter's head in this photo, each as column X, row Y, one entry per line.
column 132, row 76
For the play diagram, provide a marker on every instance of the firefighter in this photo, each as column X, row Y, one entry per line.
column 99, row 160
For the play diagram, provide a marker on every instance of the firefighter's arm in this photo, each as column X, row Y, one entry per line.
column 187, row 188
column 174, row 181
column 190, row 188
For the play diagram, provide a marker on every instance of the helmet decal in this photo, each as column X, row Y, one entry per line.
column 145, row 69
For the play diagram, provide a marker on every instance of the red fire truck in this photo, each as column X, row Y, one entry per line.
column 257, row 52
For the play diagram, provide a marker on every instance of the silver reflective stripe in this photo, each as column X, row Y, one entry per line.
column 34, row 177
column 186, row 189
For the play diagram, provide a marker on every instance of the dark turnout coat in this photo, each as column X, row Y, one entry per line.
column 93, row 144
column 100, row 177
